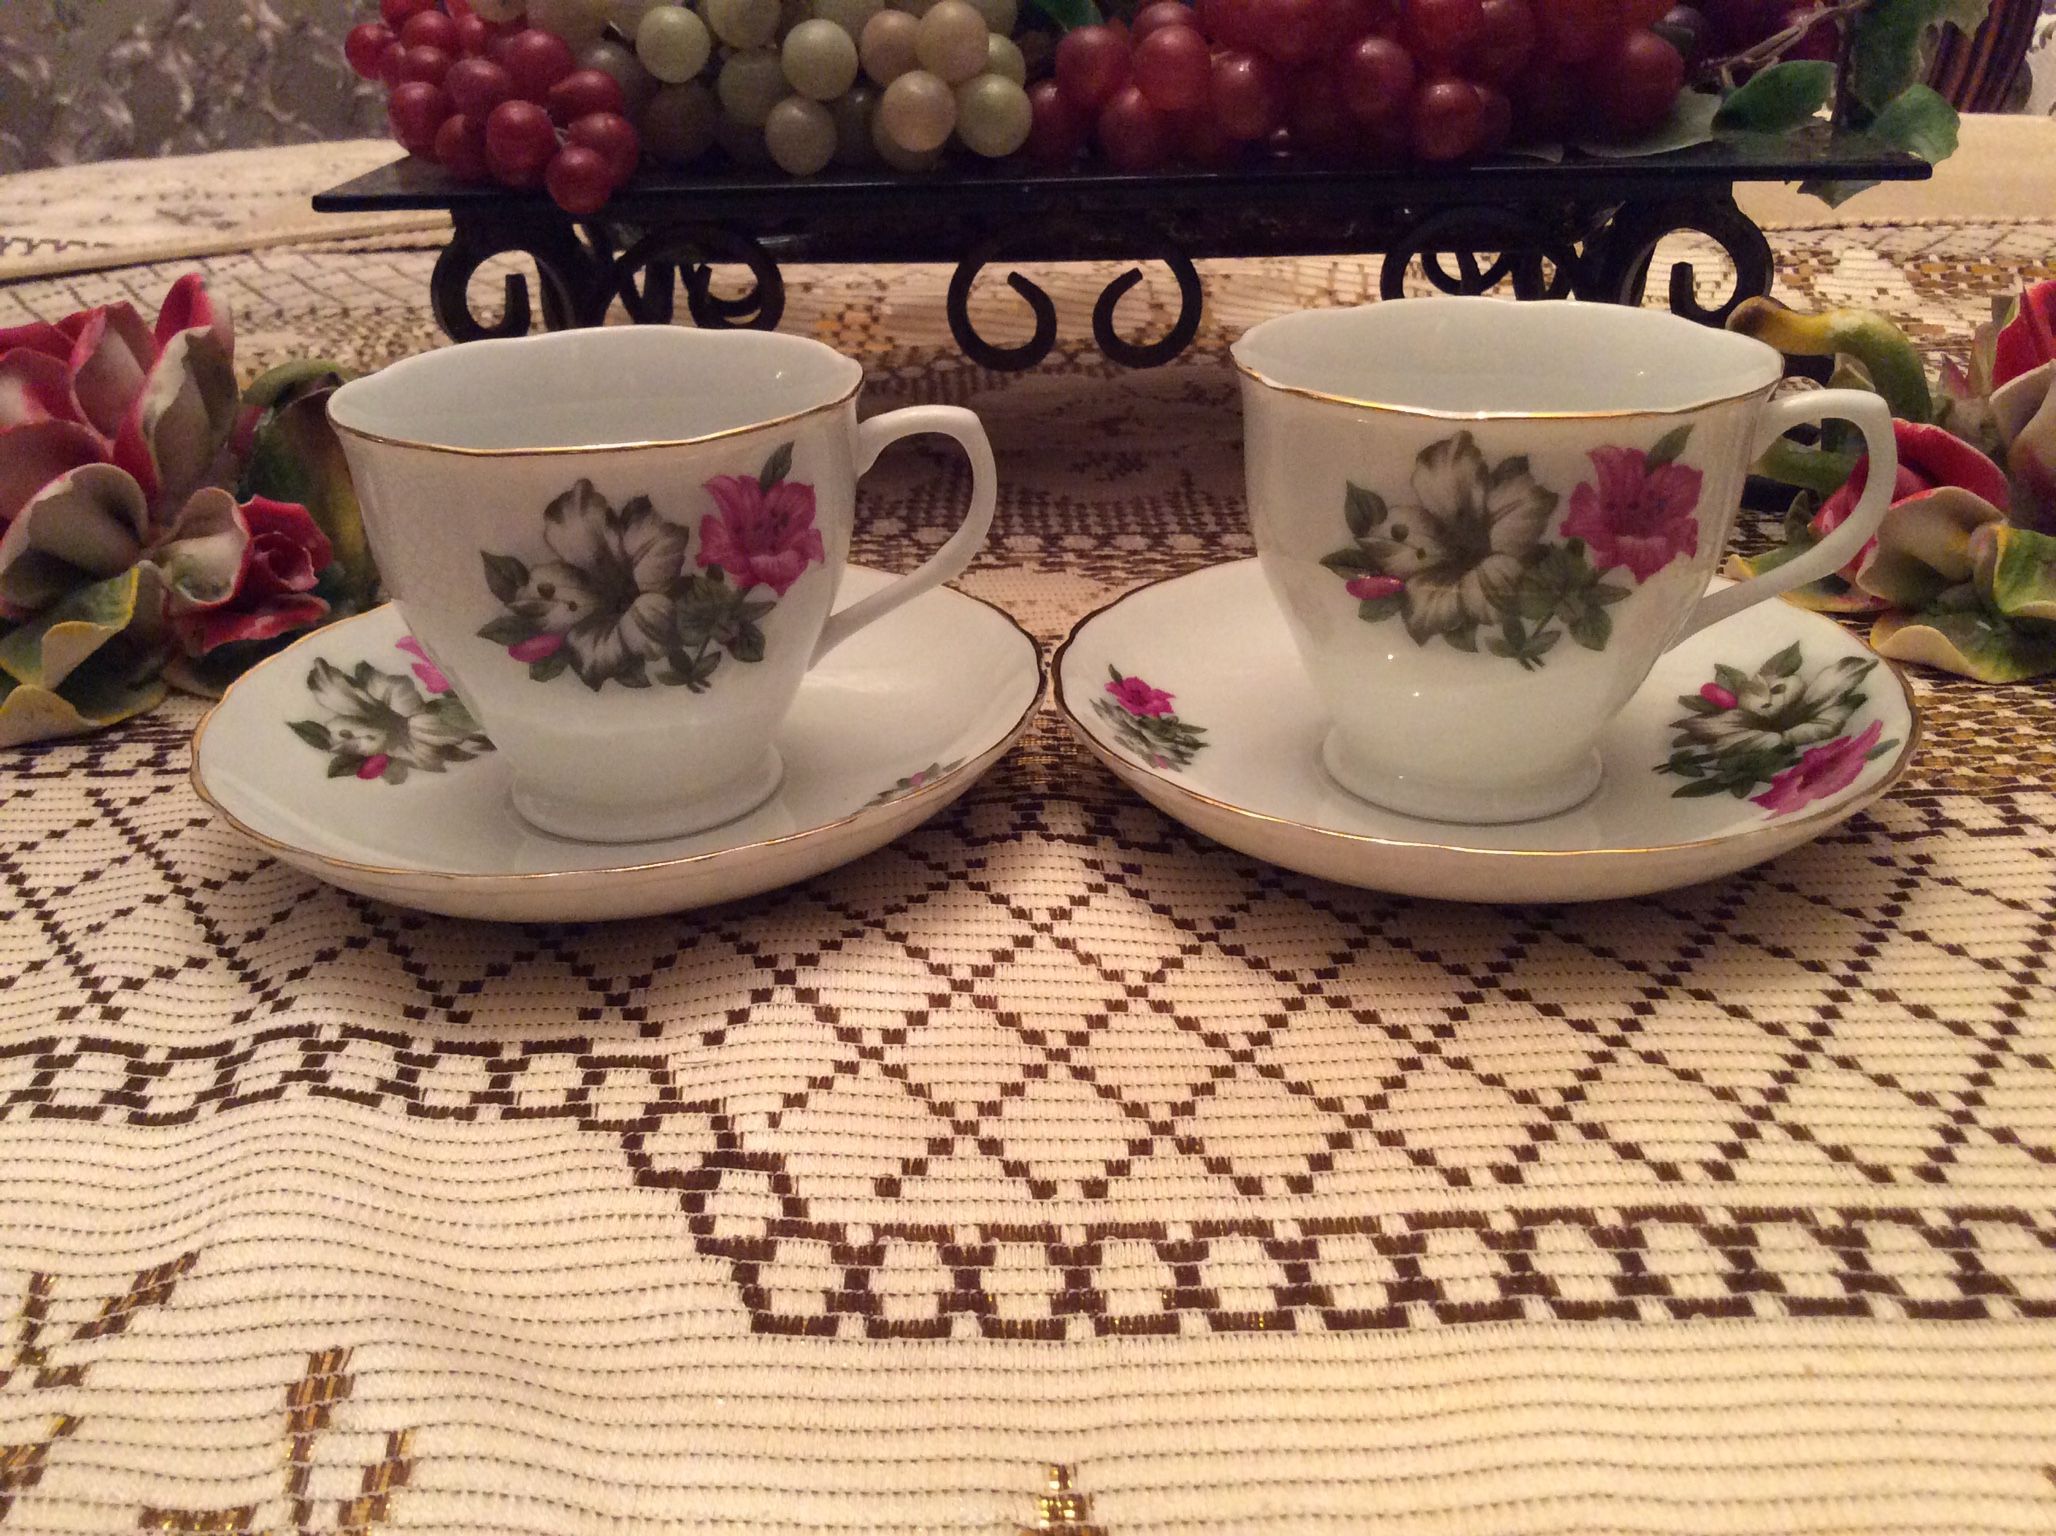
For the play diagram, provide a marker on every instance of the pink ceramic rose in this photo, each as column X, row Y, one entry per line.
column 157, row 402
column 1932, row 463
column 1822, row 772
column 241, row 572
column 762, row 536
column 1138, row 698
column 1633, row 514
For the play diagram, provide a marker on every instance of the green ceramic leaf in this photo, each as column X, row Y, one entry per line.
column 1924, row 546
column 1786, row 663
column 1969, row 642
column 2016, row 571
column 108, row 689
column 1363, row 510
column 553, row 665
column 1782, row 96
column 313, row 732
column 43, row 652
column 291, row 380
column 1810, row 469
column 1668, row 446
column 344, row 766
column 1919, row 120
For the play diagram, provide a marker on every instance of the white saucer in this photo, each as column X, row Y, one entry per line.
column 892, row 727
column 1233, row 753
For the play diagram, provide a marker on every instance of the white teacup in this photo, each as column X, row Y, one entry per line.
column 622, row 546
column 1485, row 520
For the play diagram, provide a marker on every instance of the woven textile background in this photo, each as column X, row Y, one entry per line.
column 1051, row 1170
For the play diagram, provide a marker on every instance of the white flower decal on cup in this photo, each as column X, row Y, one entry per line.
column 620, row 602
column 1469, row 557
column 1145, row 723
column 384, row 725
column 1776, row 730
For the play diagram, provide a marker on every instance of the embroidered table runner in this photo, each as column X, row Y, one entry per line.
column 1053, row 1169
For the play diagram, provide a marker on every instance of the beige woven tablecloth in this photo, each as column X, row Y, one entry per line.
column 1052, row 1170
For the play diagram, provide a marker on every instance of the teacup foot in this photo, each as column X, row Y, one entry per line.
column 1468, row 804
column 583, row 822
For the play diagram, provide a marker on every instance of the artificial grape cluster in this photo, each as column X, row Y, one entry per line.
column 571, row 94
column 1353, row 81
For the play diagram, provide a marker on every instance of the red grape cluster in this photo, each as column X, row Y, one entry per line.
column 499, row 101
column 1353, row 81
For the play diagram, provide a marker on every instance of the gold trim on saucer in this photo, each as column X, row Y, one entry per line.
column 453, row 878
column 1430, row 414
column 1129, row 772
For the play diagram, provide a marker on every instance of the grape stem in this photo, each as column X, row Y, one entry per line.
column 1778, row 44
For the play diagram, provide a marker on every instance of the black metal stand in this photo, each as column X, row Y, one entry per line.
column 1585, row 227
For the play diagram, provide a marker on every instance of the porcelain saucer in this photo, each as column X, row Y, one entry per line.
column 1750, row 738
column 891, row 728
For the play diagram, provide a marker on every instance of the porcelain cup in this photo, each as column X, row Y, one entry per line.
column 622, row 547
column 1484, row 521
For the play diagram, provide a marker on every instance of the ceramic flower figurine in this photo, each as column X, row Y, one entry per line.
column 148, row 515
column 1962, row 573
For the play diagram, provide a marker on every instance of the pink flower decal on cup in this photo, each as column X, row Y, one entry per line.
column 426, row 672
column 618, row 600
column 1821, row 773
column 764, row 534
column 1639, row 510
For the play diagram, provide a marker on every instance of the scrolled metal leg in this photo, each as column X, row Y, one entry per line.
column 684, row 255
column 1191, row 303
column 1519, row 244
column 575, row 291
column 957, row 307
column 1618, row 257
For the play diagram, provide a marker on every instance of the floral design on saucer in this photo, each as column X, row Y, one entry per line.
column 382, row 726
column 1776, row 732
column 619, row 601
column 1145, row 723
column 1469, row 558
column 899, row 789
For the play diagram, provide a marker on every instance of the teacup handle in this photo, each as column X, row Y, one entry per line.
column 950, row 560
column 1869, row 414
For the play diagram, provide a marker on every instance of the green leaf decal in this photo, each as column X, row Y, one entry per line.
column 509, row 629
column 1668, row 446
column 313, row 732
column 1786, row 663
column 344, row 766
column 1779, row 97
column 1363, row 510
column 776, row 468
column 1353, row 561
column 504, row 574
column 552, row 665
column 748, row 644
